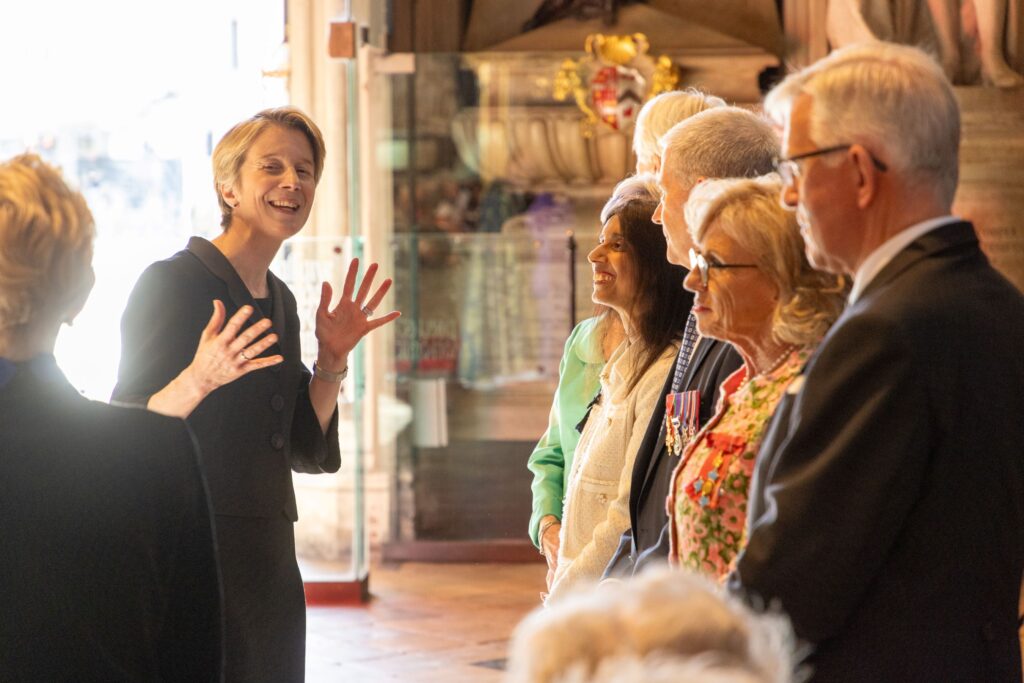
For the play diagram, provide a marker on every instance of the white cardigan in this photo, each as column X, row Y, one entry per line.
column 596, row 509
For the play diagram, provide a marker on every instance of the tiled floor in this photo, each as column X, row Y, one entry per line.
column 427, row 622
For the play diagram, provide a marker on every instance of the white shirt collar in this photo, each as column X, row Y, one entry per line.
column 880, row 257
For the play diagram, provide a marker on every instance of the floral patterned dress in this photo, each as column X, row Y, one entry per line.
column 707, row 502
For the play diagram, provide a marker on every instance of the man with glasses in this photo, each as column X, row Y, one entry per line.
column 723, row 142
column 886, row 513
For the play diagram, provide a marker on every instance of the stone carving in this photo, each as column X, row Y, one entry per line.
column 969, row 36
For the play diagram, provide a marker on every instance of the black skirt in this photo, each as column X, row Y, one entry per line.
column 264, row 602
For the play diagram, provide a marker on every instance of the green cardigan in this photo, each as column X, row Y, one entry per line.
column 578, row 383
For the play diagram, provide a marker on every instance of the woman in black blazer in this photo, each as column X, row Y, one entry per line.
column 108, row 570
column 252, row 427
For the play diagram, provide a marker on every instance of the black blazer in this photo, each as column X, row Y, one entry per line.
column 252, row 431
column 886, row 511
column 108, row 570
column 647, row 539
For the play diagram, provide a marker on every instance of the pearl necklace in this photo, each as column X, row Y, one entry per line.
column 777, row 363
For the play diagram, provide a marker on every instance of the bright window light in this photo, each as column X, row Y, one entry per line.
column 129, row 97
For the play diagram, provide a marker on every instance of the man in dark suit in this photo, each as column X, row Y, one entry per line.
column 108, row 570
column 886, row 513
column 722, row 142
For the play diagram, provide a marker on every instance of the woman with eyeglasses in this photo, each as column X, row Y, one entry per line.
column 753, row 288
column 632, row 277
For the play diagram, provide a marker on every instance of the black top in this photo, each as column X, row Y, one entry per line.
column 107, row 567
column 252, row 431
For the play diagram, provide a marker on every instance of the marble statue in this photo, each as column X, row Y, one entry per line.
column 954, row 29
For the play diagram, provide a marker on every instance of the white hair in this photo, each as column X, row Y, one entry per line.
column 662, row 112
column 642, row 188
column 724, row 142
column 662, row 612
column 660, row 669
column 893, row 99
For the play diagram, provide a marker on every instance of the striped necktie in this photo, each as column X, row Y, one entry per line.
column 685, row 353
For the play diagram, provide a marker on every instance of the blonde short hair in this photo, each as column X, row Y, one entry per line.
column 662, row 112
column 662, row 613
column 893, row 99
column 749, row 212
column 229, row 154
column 46, row 243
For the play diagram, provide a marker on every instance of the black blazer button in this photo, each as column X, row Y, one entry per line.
column 277, row 441
column 989, row 632
column 277, row 402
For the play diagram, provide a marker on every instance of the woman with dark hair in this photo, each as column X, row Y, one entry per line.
column 590, row 345
column 632, row 277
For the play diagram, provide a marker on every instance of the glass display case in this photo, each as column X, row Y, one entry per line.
column 493, row 208
column 330, row 538
column 487, row 172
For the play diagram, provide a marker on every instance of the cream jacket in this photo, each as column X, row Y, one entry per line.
column 596, row 509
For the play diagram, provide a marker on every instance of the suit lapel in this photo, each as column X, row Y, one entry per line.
column 214, row 261
column 639, row 483
column 949, row 236
column 218, row 264
column 700, row 354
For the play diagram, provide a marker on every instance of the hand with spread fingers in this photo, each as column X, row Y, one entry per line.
column 224, row 354
column 339, row 329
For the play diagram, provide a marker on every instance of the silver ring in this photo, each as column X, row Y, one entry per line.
column 242, row 354
column 368, row 311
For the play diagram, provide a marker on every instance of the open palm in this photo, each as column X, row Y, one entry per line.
column 339, row 329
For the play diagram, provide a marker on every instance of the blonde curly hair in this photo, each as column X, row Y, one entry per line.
column 749, row 212
column 46, row 244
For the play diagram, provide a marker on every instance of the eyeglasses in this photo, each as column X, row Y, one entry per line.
column 703, row 266
column 790, row 170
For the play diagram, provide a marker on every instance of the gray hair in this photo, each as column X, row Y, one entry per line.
column 749, row 212
column 724, row 142
column 894, row 99
column 662, row 112
column 662, row 612
column 638, row 188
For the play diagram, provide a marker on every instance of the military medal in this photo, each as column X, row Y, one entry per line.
column 689, row 412
column 682, row 415
column 670, row 431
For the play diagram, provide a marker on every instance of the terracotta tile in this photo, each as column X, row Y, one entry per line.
column 426, row 623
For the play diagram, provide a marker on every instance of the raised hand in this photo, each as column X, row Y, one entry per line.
column 339, row 329
column 223, row 355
